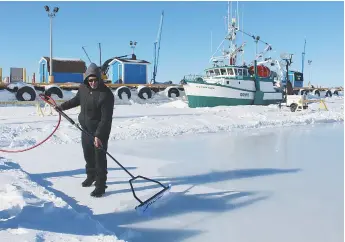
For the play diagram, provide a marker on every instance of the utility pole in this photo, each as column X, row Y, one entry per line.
column 309, row 63
column 51, row 15
column 303, row 55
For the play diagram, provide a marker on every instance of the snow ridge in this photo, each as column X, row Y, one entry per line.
column 27, row 208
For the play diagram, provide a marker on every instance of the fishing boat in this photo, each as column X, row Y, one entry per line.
column 226, row 83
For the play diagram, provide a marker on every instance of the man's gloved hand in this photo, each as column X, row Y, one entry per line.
column 97, row 142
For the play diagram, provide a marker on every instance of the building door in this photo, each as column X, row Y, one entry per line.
column 119, row 78
column 43, row 72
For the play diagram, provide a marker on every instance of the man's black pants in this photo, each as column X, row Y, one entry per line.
column 96, row 159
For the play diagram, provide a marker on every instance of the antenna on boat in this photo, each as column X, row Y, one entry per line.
column 229, row 17
column 211, row 42
column 231, row 50
column 238, row 16
column 242, row 33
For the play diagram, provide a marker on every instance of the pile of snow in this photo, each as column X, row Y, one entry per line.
column 149, row 121
column 29, row 210
column 67, row 59
column 323, row 95
column 157, row 98
column 66, row 94
column 175, row 104
column 7, row 96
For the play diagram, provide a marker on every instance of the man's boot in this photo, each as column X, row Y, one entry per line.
column 98, row 192
column 88, row 181
column 100, row 186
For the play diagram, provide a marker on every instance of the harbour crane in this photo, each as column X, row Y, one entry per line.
column 157, row 46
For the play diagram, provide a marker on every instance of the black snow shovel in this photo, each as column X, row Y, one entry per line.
column 144, row 205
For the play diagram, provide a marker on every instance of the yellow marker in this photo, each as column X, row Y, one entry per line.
column 323, row 105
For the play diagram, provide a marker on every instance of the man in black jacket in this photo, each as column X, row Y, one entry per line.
column 96, row 102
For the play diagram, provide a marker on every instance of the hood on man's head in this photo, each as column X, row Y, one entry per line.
column 92, row 70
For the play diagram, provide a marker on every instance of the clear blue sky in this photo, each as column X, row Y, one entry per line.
column 186, row 36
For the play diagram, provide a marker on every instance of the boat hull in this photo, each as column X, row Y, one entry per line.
column 212, row 95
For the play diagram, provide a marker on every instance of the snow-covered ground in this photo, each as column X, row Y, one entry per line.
column 241, row 174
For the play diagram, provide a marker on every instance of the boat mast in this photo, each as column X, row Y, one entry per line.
column 231, row 36
column 232, row 50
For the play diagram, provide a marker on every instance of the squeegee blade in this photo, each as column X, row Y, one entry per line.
column 152, row 202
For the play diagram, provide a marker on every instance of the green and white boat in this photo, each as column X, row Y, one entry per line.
column 231, row 84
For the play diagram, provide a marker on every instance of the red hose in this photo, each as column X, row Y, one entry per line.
column 53, row 103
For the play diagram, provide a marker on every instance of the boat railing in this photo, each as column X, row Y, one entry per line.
column 194, row 78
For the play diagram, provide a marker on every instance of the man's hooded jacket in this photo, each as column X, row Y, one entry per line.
column 96, row 105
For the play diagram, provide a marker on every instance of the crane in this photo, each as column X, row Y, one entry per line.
column 156, row 49
column 303, row 54
column 105, row 66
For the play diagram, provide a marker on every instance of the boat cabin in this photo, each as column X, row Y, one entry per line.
column 230, row 71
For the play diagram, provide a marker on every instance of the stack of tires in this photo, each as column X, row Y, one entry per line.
column 27, row 92
column 23, row 91
column 145, row 92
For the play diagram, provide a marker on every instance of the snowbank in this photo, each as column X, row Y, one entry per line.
column 7, row 96
column 31, row 213
column 157, row 98
column 161, row 117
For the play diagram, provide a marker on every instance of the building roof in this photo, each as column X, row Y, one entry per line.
column 125, row 60
column 66, row 65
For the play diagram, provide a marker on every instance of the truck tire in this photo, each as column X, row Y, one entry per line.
column 173, row 91
column 23, row 93
column 123, row 91
column 293, row 107
column 54, row 90
column 144, row 90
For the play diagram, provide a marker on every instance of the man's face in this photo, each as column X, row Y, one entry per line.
column 93, row 82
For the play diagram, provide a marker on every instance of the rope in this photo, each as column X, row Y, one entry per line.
column 52, row 103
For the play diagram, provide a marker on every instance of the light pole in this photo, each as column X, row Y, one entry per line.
column 133, row 45
column 51, row 15
column 309, row 63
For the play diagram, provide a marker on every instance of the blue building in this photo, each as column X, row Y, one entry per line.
column 64, row 70
column 296, row 79
column 128, row 71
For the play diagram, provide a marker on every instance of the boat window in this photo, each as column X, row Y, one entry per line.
column 240, row 72
column 235, row 71
column 207, row 73
column 245, row 72
column 230, row 71
column 217, row 72
column 223, row 71
column 211, row 73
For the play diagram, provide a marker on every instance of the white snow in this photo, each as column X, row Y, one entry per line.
column 245, row 173
column 7, row 96
column 67, row 59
